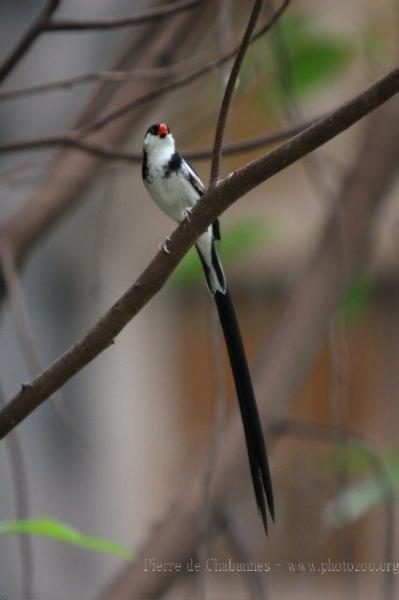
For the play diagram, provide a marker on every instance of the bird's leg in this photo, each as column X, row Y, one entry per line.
column 186, row 213
column 164, row 245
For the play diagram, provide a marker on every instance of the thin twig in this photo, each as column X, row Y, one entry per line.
column 211, row 205
column 229, row 90
column 22, row 508
column 27, row 341
column 139, row 18
column 107, row 76
column 179, row 67
column 179, row 83
column 71, row 82
column 17, row 303
column 151, row 74
column 109, row 153
column 37, row 27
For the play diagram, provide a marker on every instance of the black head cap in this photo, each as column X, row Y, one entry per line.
column 158, row 129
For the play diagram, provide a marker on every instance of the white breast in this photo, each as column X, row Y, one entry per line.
column 173, row 193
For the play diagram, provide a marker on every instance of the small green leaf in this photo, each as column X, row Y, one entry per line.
column 360, row 497
column 354, row 502
column 237, row 242
column 241, row 238
column 62, row 532
column 315, row 61
column 357, row 299
column 316, row 56
column 354, row 459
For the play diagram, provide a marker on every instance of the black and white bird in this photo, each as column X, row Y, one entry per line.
column 176, row 188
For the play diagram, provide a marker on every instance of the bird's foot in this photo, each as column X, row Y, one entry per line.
column 164, row 245
column 187, row 213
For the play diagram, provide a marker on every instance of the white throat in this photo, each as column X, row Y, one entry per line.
column 159, row 149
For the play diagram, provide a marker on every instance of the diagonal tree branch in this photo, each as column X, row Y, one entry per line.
column 212, row 204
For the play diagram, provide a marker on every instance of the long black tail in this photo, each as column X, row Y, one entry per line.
column 249, row 412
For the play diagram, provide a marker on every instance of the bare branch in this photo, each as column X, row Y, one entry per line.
column 229, row 90
column 27, row 40
column 153, row 74
column 110, row 153
column 108, row 77
column 179, row 83
column 22, row 507
column 212, row 204
column 261, row 141
column 15, row 295
column 50, row 201
column 74, row 138
column 24, row 331
column 71, row 82
column 136, row 19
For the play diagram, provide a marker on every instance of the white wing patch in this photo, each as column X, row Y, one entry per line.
column 193, row 177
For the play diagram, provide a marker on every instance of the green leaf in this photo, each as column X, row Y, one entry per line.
column 237, row 242
column 354, row 502
column 354, row 459
column 358, row 498
column 62, row 532
column 317, row 61
column 357, row 299
column 316, row 56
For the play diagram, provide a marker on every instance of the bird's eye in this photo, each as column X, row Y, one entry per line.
column 153, row 130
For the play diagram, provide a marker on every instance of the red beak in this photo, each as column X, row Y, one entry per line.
column 163, row 130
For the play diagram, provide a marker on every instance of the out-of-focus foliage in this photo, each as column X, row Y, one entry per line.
column 357, row 299
column 352, row 458
column 237, row 242
column 315, row 56
column 361, row 496
column 375, row 50
column 62, row 532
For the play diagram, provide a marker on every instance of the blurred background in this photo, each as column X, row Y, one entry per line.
column 140, row 416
